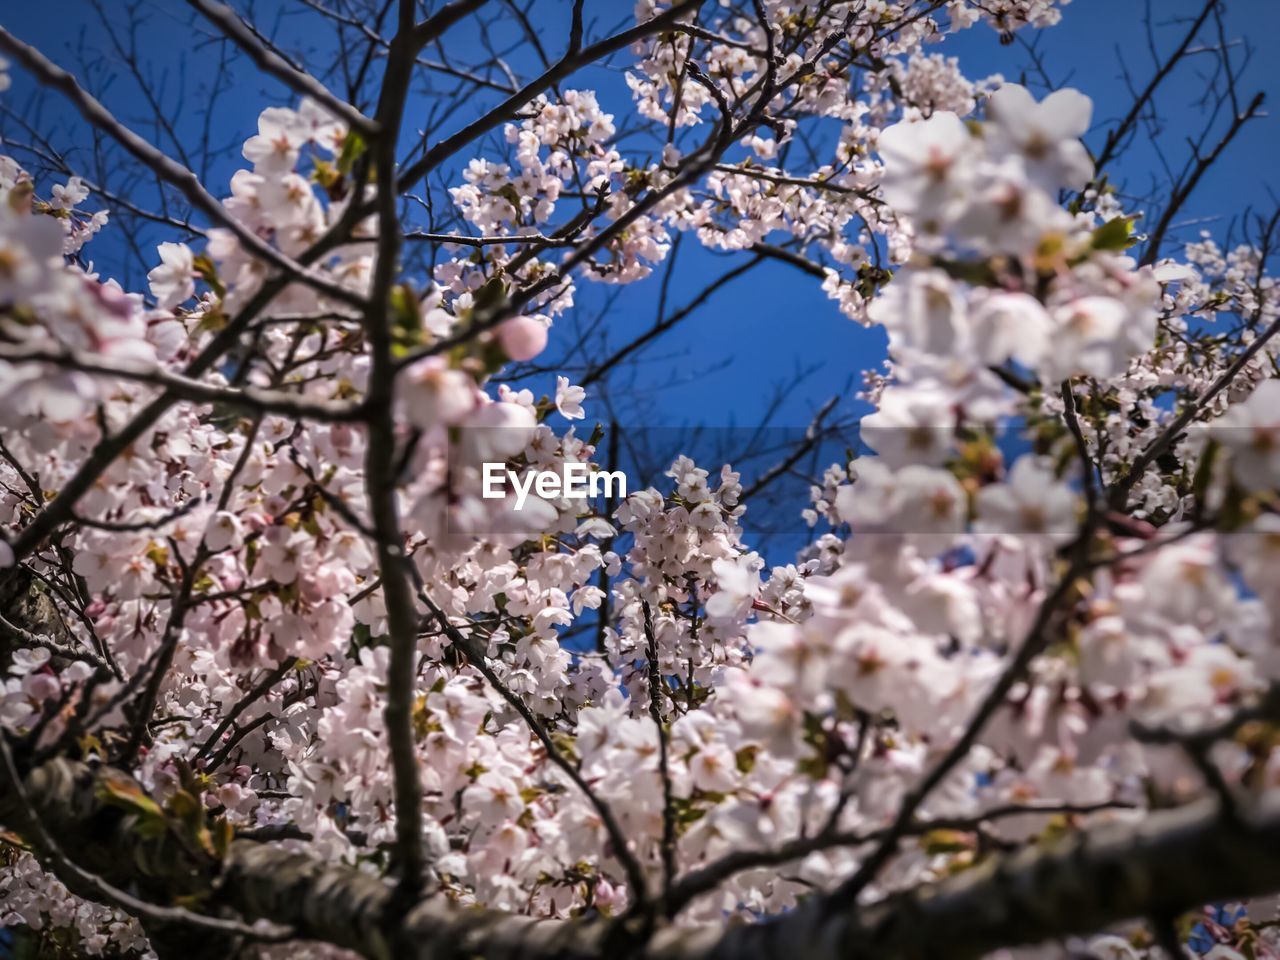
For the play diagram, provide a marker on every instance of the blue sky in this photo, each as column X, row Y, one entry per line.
column 724, row 366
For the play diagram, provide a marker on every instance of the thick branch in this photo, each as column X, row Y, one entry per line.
column 380, row 473
column 54, row 646
column 1168, row 863
column 26, row 813
column 440, row 21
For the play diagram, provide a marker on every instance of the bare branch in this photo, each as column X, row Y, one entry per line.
column 380, row 471
column 186, row 388
column 559, row 71
column 442, row 20
column 1186, row 185
column 57, row 648
column 812, row 434
column 229, row 22
column 656, row 686
column 1116, row 135
column 166, row 168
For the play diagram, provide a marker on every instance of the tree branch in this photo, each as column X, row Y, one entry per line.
column 1170, row 862
column 1116, row 135
column 440, row 21
column 469, row 649
column 657, row 687
column 166, row 168
column 1119, row 495
column 185, row 388
column 232, row 26
column 561, row 69
column 380, row 473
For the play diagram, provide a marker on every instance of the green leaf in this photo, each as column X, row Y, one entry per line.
column 223, row 834
column 209, row 274
column 406, row 314
column 127, row 795
column 325, row 173
column 946, row 841
column 489, row 297
column 978, row 273
column 1115, row 234
column 185, row 806
column 509, row 193
column 353, row 146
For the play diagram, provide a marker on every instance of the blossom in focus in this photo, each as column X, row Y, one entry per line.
column 569, row 399
column 174, row 281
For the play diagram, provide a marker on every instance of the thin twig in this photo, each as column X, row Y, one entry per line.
column 656, row 687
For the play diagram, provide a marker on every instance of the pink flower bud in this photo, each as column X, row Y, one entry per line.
column 522, row 338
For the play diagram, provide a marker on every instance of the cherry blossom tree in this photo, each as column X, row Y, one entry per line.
column 278, row 681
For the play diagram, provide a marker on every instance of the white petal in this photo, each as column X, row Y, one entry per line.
column 1065, row 114
column 1012, row 106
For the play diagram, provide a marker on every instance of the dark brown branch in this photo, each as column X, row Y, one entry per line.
column 1082, row 448
column 1186, row 185
column 56, row 647
column 707, row 878
column 598, row 371
column 380, row 472
column 812, row 434
column 1168, row 863
column 657, row 687
column 1037, row 638
column 440, row 21
column 24, row 813
column 790, row 257
column 259, row 691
